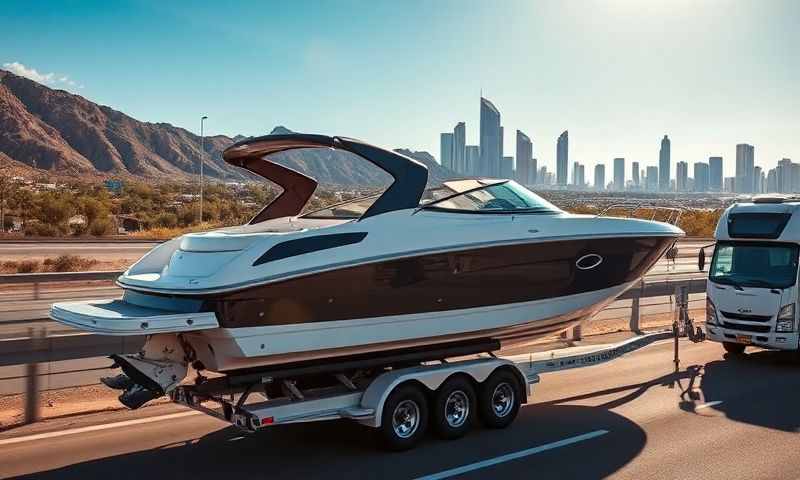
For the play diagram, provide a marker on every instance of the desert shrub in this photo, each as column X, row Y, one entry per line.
column 100, row 227
column 41, row 230
column 69, row 263
column 28, row 266
column 166, row 220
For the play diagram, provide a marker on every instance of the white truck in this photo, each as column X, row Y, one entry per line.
column 752, row 292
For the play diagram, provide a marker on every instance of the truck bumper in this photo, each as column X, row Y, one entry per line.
column 772, row 340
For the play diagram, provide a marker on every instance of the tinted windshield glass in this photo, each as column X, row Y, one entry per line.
column 754, row 264
column 345, row 210
column 503, row 197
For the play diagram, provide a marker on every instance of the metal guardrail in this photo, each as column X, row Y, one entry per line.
column 50, row 277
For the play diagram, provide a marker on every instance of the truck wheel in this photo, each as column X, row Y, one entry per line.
column 499, row 399
column 733, row 348
column 404, row 418
column 453, row 408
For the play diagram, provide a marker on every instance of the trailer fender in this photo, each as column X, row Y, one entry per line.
column 430, row 376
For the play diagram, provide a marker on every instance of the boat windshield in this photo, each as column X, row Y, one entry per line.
column 347, row 210
column 506, row 196
column 749, row 264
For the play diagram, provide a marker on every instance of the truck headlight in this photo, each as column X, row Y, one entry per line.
column 711, row 312
column 785, row 321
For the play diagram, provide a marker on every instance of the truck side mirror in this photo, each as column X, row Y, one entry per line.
column 701, row 260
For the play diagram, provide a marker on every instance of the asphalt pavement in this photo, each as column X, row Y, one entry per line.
column 633, row 418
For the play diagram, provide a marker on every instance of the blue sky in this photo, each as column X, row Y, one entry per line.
column 618, row 74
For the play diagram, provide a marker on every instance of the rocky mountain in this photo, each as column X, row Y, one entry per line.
column 65, row 133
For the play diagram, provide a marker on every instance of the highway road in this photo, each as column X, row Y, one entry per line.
column 633, row 418
column 101, row 251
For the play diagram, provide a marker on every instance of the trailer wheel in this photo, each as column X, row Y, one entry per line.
column 734, row 348
column 453, row 408
column 404, row 418
column 499, row 399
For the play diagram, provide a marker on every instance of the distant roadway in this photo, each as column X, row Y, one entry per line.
column 633, row 418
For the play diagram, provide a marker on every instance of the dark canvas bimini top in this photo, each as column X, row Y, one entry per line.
column 410, row 176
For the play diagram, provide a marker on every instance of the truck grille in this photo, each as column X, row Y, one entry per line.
column 747, row 318
column 747, row 328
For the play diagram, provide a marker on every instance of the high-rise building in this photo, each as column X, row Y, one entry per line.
column 652, row 179
column 635, row 175
column 502, row 132
column 701, row 177
column 663, row 165
column 772, row 180
column 472, row 160
column 795, row 183
column 599, row 177
column 758, row 180
column 490, row 141
column 460, row 147
column 534, row 171
column 525, row 168
column 581, row 177
column 562, row 158
column 619, row 174
column 729, row 184
column 745, row 178
column 783, row 176
column 574, row 179
column 715, row 174
column 446, row 149
column 681, row 176
column 507, row 168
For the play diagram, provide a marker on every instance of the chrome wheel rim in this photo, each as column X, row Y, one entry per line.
column 405, row 418
column 502, row 399
column 456, row 408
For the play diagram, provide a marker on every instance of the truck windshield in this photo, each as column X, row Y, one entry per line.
column 766, row 265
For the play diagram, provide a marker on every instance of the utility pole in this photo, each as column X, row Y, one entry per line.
column 201, row 166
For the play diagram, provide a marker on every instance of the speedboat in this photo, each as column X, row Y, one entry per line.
column 411, row 269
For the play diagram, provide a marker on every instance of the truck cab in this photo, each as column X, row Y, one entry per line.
column 751, row 292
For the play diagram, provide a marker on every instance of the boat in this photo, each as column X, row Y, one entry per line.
column 411, row 269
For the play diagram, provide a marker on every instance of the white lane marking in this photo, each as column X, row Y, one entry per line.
column 94, row 428
column 708, row 404
column 513, row 456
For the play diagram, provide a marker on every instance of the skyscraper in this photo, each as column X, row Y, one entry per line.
column 619, row 174
column 701, row 177
column 507, row 168
column 783, row 176
column 575, row 166
column 599, row 177
column 663, row 165
column 490, row 140
column 525, row 159
column 715, row 174
column 745, row 179
column 534, row 171
column 472, row 158
column 652, row 179
column 635, row 175
column 459, row 147
column 562, row 158
column 446, row 149
column 580, row 177
column 758, row 180
column 681, row 176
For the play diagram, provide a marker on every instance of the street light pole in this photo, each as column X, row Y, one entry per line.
column 201, row 166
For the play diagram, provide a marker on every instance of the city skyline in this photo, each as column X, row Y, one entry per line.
column 302, row 75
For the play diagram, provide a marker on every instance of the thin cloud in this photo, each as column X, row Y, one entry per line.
column 50, row 79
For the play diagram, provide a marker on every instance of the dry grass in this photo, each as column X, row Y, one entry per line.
column 163, row 233
column 63, row 263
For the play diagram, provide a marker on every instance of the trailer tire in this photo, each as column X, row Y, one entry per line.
column 404, row 418
column 734, row 348
column 453, row 408
column 499, row 399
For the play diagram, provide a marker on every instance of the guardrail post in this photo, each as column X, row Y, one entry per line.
column 32, row 379
column 572, row 334
column 635, row 313
column 36, row 290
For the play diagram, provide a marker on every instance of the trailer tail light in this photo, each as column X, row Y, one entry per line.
column 267, row 421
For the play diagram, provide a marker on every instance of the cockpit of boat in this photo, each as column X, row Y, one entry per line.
column 470, row 195
column 407, row 191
